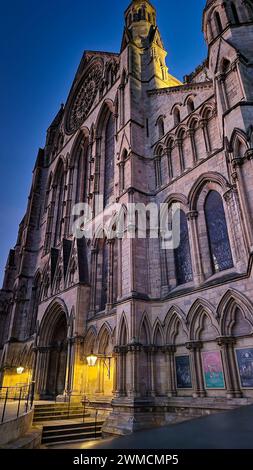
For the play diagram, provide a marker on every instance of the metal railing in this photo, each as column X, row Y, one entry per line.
column 15, row 401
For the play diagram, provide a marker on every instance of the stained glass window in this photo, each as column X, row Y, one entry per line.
column 217, row 233
column 109, row 160
column 182, row 254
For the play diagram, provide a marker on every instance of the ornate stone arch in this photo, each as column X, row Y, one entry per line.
column 145, row 329
column 90, row 340
column 56, row 309
column 104, row 337
column 173, row 319
column 210, row 177
column 196, row 317
column 158, row 330
column 238, row 139
column 123, row 331
column 226, row 310
column 106, row 108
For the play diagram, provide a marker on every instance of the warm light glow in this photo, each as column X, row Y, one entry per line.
column 91, row 360
column 20, row 370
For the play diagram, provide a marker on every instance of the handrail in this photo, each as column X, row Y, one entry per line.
column 21, row 393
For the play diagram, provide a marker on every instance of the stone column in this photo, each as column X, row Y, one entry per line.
column 94, row 255
column 198, row 274
column 226, row 344
column 119, row 371
column 190, row 133
column 151, row 351
column 181, row 154
column 198, row 380
column 238, row 248
column 134, row 350
column 70, row 366
column 246, row 218
column 178, row 143
column 171, row 373
column 203, row 125
column 110, row 274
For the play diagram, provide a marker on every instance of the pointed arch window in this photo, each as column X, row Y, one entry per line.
column 81, row 173
column 235, row 13
column 190, row 105
column 177, row 116
column 217, row 232
column 160, row 125
column 182, row 255
column 218, row 22
column 109, row 160
column 59, row 210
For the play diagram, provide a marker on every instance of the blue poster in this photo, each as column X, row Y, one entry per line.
column 245, row 366
column 183, row 372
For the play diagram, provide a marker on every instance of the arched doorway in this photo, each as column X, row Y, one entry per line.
column 57, row 359
column 52, row 353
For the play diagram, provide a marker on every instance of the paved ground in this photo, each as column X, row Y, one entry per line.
column 230, row 430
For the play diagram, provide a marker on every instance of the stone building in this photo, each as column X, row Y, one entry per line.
column 170, row 331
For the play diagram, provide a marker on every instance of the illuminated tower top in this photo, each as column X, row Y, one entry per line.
column 140, row 17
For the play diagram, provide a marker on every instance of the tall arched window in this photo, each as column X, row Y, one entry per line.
column 59, row 207
column 182, row 255
column 218, row 22
column 177, row 117
column 217, row 231
column 160, row 125
column 109, row 160
column 190, row 105
column 235, row 13
column 49, row 183
column 81, row 172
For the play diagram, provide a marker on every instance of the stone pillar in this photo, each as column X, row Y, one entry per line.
column 68, row 217
column 110, row 274
column 94, row 255
column 230, row 370
column 238, row 247
column 179, row 144
column 246, row 218
column 120, row 371
column 69, row 372
column 134, row 350
column 203, row 125
column 198, row 274
column 171, row 373
column 198, row 380
column 191, row 133
column 151, row 351
column 181, row 154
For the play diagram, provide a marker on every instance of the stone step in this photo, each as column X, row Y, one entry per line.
column 84, row 436
column 65, row 410
column 59, row 418
column 98, row 437
column 73, row 432
column 57, row 427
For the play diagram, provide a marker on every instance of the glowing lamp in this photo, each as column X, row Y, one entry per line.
column 91, row 360
column 20, row 370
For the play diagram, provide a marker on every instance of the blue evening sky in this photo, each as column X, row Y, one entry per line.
column 41, row 44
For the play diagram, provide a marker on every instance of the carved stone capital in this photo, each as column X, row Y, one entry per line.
column 192, row 215
column 194, row 345
column 226, row 341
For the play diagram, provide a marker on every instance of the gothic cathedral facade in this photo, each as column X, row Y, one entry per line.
column 169, row 330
